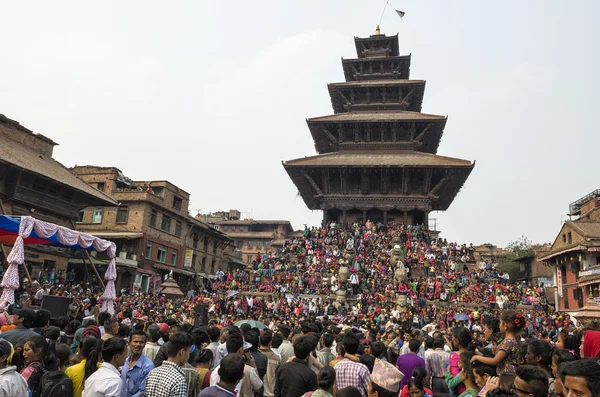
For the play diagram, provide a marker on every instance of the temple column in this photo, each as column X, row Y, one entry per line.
column 426, row 219
column 325, row 218
column 344, row 218
column 405, row 215
column 364, row 216
column 385, row 217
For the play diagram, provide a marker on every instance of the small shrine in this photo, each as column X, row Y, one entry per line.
column 170, row 287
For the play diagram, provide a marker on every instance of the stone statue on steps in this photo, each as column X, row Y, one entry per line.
column 399, row 274
column 343, row 273
column 396, row 256
column 350, row 253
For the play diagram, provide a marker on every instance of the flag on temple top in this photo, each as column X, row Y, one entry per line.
column 400, row 13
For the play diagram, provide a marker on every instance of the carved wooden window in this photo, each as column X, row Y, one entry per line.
column 165, row 225
column 122, row 214
column 153, row 216
column 97, row 215
column 149, row 249
column 161, row 254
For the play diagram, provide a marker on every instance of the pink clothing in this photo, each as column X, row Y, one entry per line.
column 454, row 370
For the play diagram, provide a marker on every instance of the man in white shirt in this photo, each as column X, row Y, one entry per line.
column 286, row 350
column 106, row 381
column 251, row 382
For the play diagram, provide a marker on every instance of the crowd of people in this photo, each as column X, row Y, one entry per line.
column 437, row 269
column 404, row 336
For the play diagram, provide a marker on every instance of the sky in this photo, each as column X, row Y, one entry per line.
column 213, row 96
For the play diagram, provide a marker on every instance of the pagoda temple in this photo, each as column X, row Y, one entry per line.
column 377, row 153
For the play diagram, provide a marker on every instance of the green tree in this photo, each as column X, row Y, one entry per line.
column 515, row 249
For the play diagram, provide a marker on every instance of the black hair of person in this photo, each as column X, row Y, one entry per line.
column 245, row 328
column 62, row 322
column 438, row 341
column 234, row 343
column 464, row 337
column 63, row 352
column 154, row 332
column 46, row 350
column 414, row 345
column 350, row 343
column 536, row 378
column 285, row 331
column 416, row 382
column 103, row 316
column 493, row 324
column 204, row 356
column 349, row 391
column 231, row 368
column 73, row 326
column 200, row 337
column 378, row 348
column 111, row 347
column 483, row 369
column 42, row 318
column 501, row 393
column 587, row 368
column 326, row 377
column 266, row 337
column 124, row 331
column 419, row 372
column 466, row 356
column 52, row 332
column 543, row 350
column 89, row 351
column 277, row 340
column 252, row 338
column 428, row 342
column 564, row 356
column 327, row 339
column 177, row 342
column 571, row 340
column 139, row 332
column 213, row 333
column 303, row 346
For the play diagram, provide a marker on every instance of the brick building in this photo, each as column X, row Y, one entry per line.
column 532, row 269
column 250, row 236
column 153, row 231
column 33, row 183
column 575, row 257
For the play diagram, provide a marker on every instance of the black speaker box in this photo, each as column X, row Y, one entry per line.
column 201, row 315
column 56, row 305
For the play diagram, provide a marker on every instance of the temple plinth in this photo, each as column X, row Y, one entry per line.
column 377, row 153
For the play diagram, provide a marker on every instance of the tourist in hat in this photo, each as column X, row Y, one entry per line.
column 24, row 319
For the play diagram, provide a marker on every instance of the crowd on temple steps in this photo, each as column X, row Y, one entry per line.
column 299, row 340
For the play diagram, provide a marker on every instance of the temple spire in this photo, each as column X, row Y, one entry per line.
column 377, row 30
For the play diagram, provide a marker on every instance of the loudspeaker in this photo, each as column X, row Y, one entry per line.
column 201, row 315
column 57, row 305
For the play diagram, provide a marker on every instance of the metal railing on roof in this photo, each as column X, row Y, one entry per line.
column 575, row 206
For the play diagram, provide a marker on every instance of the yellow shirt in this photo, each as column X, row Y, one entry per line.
column 76, row 373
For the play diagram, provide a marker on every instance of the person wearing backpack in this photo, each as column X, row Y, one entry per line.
column 42, row 373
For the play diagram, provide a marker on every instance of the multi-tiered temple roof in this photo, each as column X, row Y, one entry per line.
column 377, row 153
